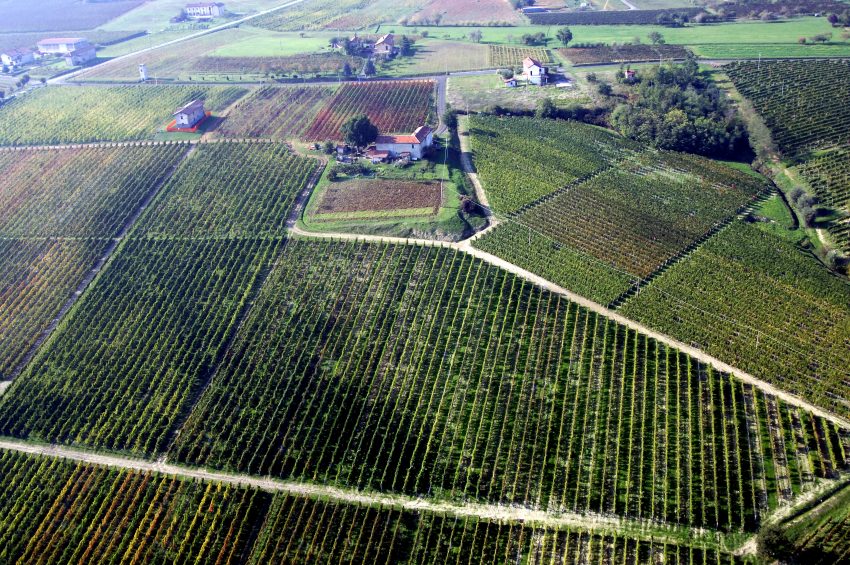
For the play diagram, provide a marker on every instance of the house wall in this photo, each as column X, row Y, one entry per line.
column 63, row 48
column 189, row 119
column 205, row 12
column 414, row 149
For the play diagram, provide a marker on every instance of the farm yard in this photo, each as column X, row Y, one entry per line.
column 102, row 113
column 521, row 337
column 381, row 198
column 393, row 106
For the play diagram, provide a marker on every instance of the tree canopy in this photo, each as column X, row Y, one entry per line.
column 359, row 131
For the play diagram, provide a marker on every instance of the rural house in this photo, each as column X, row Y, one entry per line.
column 190, row 115
column 204, row 10
column 534, row 72
column 415, row 143
column 62, row 45
column 385, row 45
column 17, row 57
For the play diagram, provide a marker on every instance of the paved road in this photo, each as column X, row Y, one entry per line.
column 215, row 29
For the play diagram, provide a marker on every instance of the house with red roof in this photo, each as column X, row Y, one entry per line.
column 533, row 72
column 415, row 143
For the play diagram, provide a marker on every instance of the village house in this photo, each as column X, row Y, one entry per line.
column 189, row 115
column 204, row 10
column 385, row 45
column 17, row 57
column 415, row 143
column 533, row 72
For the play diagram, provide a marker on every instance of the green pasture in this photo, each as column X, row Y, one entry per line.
column 276, row 44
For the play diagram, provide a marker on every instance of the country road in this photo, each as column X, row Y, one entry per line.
column 63, row 78
column 496, row 512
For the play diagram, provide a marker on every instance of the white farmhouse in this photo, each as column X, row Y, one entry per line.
column 17, row 57
column 62, row 45
column 189, row 115
column 204, row 10
column 534, row 73
column 385, row 45
column 415, row 143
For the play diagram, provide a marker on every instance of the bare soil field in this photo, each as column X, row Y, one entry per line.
column 458, row 12
column 378, row 196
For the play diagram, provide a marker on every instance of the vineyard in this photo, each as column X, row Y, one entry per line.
column 366, row 199
column 251, row 200
column 758, row 303
column 78, row 192
column 275, row 112
column 622, row 53
column 466, row 12
column 802, row 102
column 828, row 174
column 90, row 514
column 622, row 17
column 395, row 107
column 58, row 210
column 330, row 64
column 820, row 536
column 599, row 234
column 336, row 15
column 424, row 371
column 119, row 113
column 512, row 56
column 521, row 160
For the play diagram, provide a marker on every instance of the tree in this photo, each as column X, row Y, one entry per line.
column 605, row 89
column 546, row 109
column 832, row 19
column 476, row 35
column 329, row 147
column 359, row 131
column 369, row 69
column 802, row 40
column 347, row 70
column 656, row 38
column 773, row 544
column 450, row 118
column 406, row 46
column 564, row 35
column 507, row 74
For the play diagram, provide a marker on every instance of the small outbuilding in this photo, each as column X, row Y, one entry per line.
column 415, row 143
column 510, row 82
column 204, row 10
column 189, row 116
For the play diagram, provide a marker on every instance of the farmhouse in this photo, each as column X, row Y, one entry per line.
column 189, row 115
column 385, row 45
column 534, row 72
column 63, row 45
column 415, row 143
column 204, row 10
column 17, row 57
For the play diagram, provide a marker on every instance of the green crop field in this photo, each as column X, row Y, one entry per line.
column 394, row 368
column 602, row 233
column 59, row 210
column 93, row 113
column 754, row 300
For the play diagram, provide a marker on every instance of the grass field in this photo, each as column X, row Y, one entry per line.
column 479, row 93
column 101, row 113
column 436, row 57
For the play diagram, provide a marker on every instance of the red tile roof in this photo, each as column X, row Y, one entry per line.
column 528, row 62
column 416, row 138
